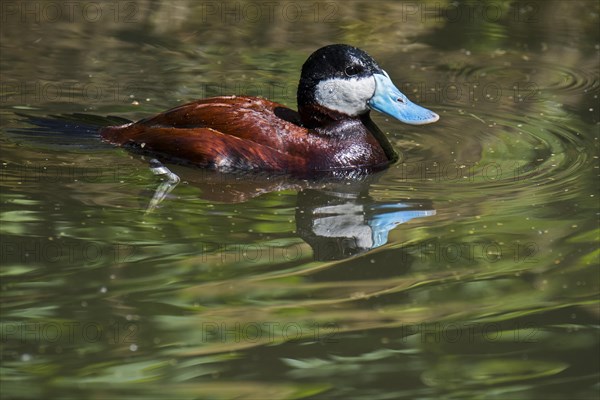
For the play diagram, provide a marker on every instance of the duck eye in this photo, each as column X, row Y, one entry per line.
column 352, row 70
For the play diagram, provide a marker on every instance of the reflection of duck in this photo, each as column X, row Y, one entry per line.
column 339, row 223
column 337, row 217
column 331, row 131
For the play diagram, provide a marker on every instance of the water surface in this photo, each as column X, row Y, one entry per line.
column 467, row 270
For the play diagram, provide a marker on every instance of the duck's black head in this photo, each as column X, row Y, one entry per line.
column 340, row 82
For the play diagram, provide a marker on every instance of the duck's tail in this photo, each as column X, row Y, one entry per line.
column 73, row 131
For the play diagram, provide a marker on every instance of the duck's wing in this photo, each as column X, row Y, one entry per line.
column 205, row 147
column 250, row 118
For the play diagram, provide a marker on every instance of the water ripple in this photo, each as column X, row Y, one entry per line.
column 497, row 149
column 526, row 78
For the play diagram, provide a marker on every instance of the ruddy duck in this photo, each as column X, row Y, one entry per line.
column 332, row 130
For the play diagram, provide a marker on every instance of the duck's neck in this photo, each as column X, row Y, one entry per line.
column 385, row 144
column 312, row 114
column 329, row 122
column 333, row 124
column 319, row 118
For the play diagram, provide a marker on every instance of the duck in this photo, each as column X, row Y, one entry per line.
column 332, row 130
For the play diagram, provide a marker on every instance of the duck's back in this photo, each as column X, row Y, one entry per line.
column 221, row 132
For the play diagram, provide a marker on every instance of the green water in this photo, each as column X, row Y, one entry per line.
column 467, row 270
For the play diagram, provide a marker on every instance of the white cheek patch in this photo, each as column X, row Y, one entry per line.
column 348, row 96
